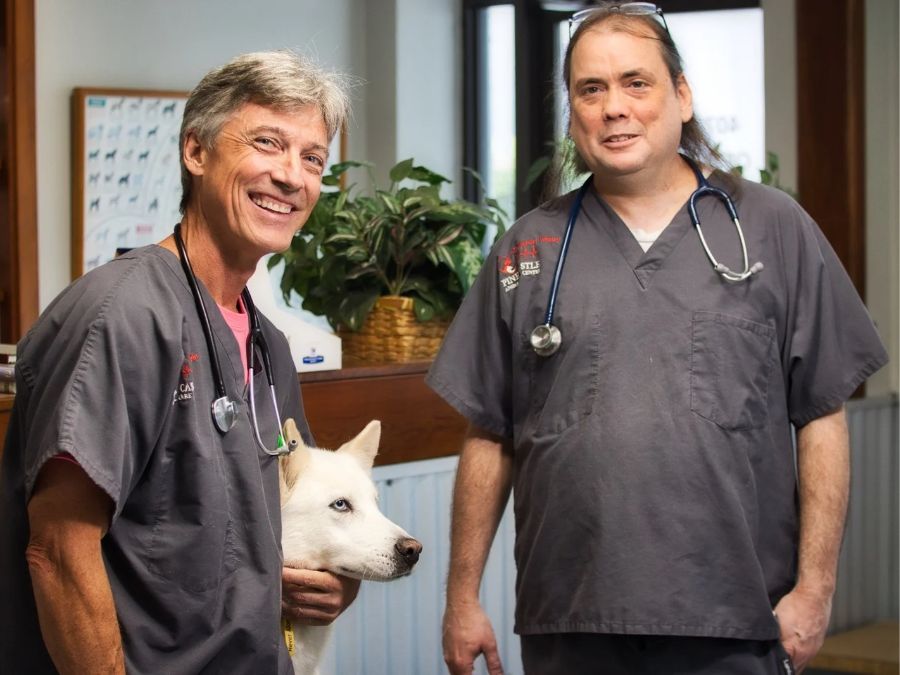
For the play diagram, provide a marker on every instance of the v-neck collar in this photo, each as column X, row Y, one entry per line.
column 644, row 264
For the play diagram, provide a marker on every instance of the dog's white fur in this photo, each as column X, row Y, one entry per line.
column 331, row 521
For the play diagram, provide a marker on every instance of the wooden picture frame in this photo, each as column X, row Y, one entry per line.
column 126, row 176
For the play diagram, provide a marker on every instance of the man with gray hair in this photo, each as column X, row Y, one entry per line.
column 140, row 525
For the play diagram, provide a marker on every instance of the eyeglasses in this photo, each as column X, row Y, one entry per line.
column 626, row 8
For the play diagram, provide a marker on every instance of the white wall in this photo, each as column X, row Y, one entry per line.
column 429, row 85
column 781, row 85
column 381, row 100
column 414, row 97
column 407, row 106
column 159, row 44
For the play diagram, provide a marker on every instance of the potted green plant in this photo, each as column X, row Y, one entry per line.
column 365, row 261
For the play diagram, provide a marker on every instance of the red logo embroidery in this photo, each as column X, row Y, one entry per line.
column 523, row 260
column 526, row 249
column 185, row 389
column 509, row 263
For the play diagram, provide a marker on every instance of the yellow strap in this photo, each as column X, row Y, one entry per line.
column 288, row 629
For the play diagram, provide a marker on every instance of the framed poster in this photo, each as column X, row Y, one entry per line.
column 126, row 176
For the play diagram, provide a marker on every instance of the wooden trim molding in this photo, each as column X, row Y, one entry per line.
column 415, row 422
column 831, row 125
column 22, row 176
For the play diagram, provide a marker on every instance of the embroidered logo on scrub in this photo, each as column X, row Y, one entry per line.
column 522, row 260
column 185, row 389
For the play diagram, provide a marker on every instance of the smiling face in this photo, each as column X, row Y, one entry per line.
column 257, row 184
column 625, row 112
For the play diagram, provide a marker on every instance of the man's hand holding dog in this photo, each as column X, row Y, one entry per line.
column 315, row 598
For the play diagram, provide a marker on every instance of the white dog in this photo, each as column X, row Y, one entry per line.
column 331, row 521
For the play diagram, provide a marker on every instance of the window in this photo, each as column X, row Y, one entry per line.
column 729, row 90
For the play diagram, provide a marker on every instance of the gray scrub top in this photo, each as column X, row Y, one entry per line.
column 653, row 473
column 116, row 372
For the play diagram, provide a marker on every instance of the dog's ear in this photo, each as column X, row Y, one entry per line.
column 365, row 446
column 289, row 469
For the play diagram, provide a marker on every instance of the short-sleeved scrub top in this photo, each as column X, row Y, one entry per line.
column 116, row 373
column 653, row 470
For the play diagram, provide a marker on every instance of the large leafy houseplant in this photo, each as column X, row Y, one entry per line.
column 405, row 240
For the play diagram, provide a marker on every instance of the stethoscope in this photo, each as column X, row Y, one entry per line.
column 225, row 408
column 546, row 338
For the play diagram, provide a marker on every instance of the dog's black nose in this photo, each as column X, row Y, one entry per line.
column 409, row 549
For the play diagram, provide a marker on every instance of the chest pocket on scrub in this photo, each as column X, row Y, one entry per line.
column 731, row 361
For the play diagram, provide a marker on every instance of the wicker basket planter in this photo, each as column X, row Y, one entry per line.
column 391, row 334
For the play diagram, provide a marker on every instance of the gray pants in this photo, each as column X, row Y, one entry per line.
column 597, row 654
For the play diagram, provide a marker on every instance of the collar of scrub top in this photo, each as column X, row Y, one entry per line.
column 225, row 408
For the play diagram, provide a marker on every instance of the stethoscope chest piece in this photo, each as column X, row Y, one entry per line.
column 224, row 412
column 545, row 339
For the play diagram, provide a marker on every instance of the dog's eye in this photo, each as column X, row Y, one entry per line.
column 340, row 505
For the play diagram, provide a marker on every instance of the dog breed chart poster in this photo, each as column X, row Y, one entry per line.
column 126, row 176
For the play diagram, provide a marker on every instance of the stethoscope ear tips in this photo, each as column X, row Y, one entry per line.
column 757, row 267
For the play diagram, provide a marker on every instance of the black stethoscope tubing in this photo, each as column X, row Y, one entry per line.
column 204, row 318
column 546, row 338
column 564, row 250
column 224, row 408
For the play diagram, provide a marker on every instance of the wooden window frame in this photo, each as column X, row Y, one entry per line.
column 831, row 125
column 19, row 289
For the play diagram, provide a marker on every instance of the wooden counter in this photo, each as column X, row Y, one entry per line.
column 871, row 650
column 415, row 422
